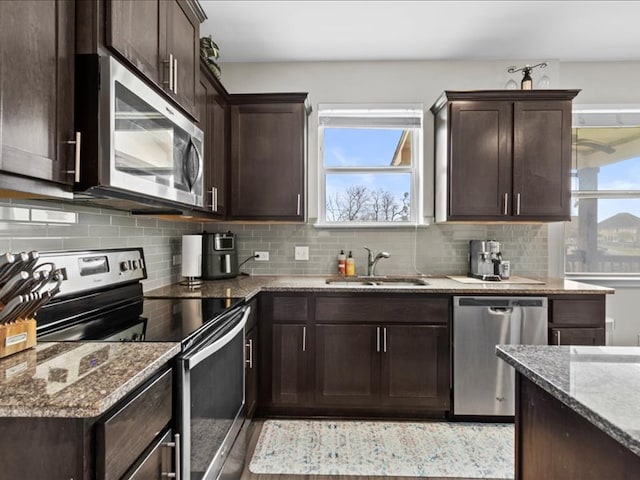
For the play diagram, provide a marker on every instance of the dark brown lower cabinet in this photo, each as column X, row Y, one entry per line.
column 251, row 371
column 554, row 442
column 405, row 366
column 577, row 336
column 128, row 442
column 347, row 365
column 354, row 355
column 415, row 366
column 289, row 367
column 577, row 320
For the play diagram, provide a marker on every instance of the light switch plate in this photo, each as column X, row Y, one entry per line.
column 302, row 253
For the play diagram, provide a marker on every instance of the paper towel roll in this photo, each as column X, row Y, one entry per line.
column 191, row 255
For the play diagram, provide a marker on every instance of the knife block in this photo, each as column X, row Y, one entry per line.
column 17, row 336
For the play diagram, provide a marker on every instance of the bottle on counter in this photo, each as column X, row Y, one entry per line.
column 350, row 266
column 342, row 263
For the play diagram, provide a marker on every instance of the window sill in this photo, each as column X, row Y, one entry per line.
column 607, row 279
column 408, row 225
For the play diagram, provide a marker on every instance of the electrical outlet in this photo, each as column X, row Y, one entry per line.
column 261, row 256
column 177, row 260
column 301, row 253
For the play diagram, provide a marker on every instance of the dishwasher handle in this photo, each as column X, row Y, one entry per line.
column 500, row 302
column 500, row 310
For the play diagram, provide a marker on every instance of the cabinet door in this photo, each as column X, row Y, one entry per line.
column 36, row 89
column 289, row 364
column 347, row 365
column 182, row 43
column 251, row 371
column 542, row 159
column 214, row 122
column 267, row 161
column 480, row 160
column 415, row 366
column 576, row 336
column 133, row 30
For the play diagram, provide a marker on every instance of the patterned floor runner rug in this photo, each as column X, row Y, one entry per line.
column 426, row 449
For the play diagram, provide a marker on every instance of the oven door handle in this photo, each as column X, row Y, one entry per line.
column 193, row 359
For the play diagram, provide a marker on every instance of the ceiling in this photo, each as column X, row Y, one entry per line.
column 274, row 31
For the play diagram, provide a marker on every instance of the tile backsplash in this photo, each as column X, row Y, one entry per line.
column 437, row 250
column 46, row 225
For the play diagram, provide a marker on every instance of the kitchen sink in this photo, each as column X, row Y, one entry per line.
column 378, row 281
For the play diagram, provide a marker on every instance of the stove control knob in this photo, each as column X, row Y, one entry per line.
column 124, row 266
column 134, row 264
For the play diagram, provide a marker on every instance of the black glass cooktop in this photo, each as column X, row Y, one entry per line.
column 151, row 320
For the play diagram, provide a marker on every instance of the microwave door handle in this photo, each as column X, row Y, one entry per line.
column 187, row 171
column 198, row 356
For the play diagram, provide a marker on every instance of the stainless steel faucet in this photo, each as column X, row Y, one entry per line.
column 371, row 261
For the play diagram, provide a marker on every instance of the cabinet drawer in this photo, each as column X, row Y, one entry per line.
column 156, row 464
column 125, row 435
column 290, row 309
column 382, row 309
column 573, row 312
column 577, row 336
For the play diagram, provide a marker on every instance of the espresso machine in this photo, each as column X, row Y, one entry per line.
column 485, row 260
column 219, row 256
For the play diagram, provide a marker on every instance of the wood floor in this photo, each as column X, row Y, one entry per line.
column 254, row 433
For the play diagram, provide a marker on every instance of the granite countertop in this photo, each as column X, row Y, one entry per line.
column 249, row 286
column 76, row 379
column 602, row 384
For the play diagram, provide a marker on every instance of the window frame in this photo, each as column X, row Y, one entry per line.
column 358, row 113
column 582, row 117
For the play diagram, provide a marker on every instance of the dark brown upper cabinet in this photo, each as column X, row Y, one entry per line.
column 37, row 138
column 268, row 156
column 503, row 155
column 160, row 38
column 213, row 101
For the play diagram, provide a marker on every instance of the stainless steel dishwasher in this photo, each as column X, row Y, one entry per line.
column 482, row 383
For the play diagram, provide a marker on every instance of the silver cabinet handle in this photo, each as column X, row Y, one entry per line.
column 170, row 62
column 384, row 339
column 176, row 457
column 377, row 339
column 506, row 204
column 518, row 204
column 76, row 169
column 558, row 337
column 215, row 197
column 213, row 203
column 298, row 209
column 250, row 347
column 304, row 339
column 175, row 76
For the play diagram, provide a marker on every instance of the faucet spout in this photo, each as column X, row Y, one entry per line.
column 373, row 261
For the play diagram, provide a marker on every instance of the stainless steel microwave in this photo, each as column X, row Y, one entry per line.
column 136, row 147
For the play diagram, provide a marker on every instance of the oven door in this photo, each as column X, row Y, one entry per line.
column 212, row 396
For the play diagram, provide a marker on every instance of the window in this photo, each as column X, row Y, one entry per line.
column 603, row 237
column 370, row 162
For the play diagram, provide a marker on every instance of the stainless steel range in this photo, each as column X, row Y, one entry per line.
column 101, row 299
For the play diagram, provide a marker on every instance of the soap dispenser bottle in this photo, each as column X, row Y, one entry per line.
column 351, row 266
column 342, row 263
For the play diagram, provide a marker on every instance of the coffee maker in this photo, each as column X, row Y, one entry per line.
column 219, row 256
column 485, row 260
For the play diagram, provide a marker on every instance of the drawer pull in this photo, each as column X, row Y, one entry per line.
column 176, row 458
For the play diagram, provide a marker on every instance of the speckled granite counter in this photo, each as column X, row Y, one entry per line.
column 248, row 287
column 602, row 384
column 76, row 379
